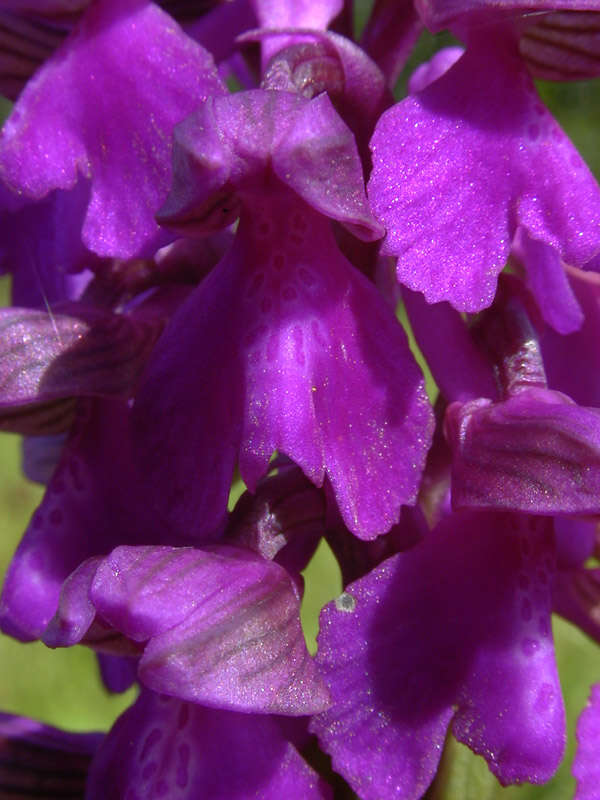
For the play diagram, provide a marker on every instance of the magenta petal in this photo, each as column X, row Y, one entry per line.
column 225, row 627
column 457, row 626
column 309, row 160
column 549, row 284
column 144, row 591
column 563, row 46
column 296, row 13
column 38, row 761
column 573, row 362
column 431, row 70
column 93, row 502
column 75, row 611
column 458, row 166
column 292, row 351
column 586, row 766
column 537, row 452
column 230, row 144
column 439, row 14
column 162, row 747
column 82, row 351
column 77, row 116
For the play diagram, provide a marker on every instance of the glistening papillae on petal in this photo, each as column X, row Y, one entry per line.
column 458, row 627
column 93, row 110
column 586, row 767
column 460, row 165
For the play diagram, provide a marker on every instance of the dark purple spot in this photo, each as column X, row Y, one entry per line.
column 305, row 276
column 266, row 305
column 278, row 261
column 289, row 293
column 545, row 697
column 318, row 333
column 524, row 582
column 544, row 626
column 58, row 485
column 526, row 610
column 253, row 335
column 299, row 345
column 541, row 576
column 299, row 222
column 264, row 228
column 184, row 715
column 533, row 131
column 151, row 740
column 272, row 347
column 162, row 788
column 56, row 516
column 255, row 284
column 182, row 768
column 149, row 770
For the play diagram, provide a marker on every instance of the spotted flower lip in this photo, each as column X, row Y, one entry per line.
column 167, row 746
column 480, row 585
column 303, row 327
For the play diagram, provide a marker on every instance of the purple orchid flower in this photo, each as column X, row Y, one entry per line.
column 473, row 161
column 75, row 121
column 265, row 349
column 456, row 631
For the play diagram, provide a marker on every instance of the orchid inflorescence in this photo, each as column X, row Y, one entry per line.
column 205, row 283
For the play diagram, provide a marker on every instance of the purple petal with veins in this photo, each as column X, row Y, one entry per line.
column 537, row 452
column 47, row 357
column 223, row 627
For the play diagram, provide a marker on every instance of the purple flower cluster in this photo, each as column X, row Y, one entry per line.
column 204, row 282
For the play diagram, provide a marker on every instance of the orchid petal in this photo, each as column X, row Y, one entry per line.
column 223, row 625
column 586, row 767
column 537, row 452
column 459, row 166
column 314, row 365
column 162, row 747
column 458, row 626
column 76, row 116
column 37, row 760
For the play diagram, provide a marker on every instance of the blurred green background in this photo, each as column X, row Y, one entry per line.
column 62, row 687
